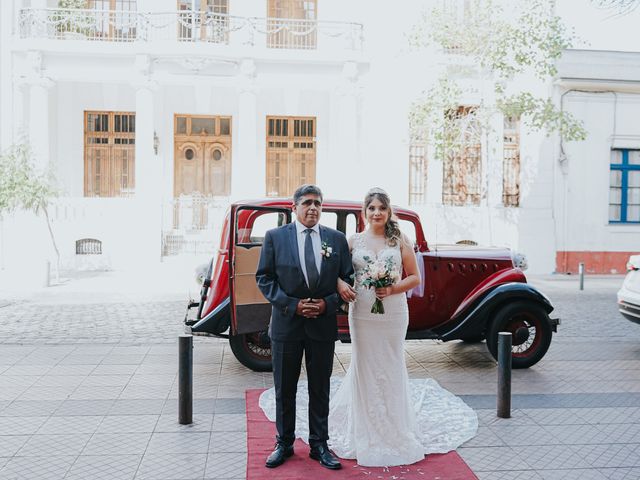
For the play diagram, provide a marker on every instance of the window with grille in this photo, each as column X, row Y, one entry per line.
column 109, row 154
column 203, row 20
column 114, row 19
column 511, row 162
column 624, row 186
column 292, row 24
column 462, row 158
column 417, row 170
column 291, row 154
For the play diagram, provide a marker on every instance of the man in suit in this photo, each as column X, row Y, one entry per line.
column 298, row 272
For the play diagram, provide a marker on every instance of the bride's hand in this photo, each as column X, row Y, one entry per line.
column 346, row 291
column 384, row 291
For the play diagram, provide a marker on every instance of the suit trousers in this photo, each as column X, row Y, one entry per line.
column 287, row 361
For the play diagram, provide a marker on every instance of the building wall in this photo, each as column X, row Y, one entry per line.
column 360, row 100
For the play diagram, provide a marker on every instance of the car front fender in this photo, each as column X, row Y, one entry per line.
column 217, row 321
column 472, row 320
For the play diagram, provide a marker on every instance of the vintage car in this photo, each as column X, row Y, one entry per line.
column 629, row 294
column 468, row 293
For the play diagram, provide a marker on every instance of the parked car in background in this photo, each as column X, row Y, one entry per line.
column 629, row 294
column 468, row 292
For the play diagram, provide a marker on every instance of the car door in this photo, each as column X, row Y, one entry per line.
column 250, row 311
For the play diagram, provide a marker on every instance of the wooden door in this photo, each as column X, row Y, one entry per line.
column 202, row 155
column 189, row 168
column 291, row 154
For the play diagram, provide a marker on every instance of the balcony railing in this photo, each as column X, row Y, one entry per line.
column 188, row 26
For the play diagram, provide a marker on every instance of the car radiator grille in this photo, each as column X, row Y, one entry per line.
column 629, row 309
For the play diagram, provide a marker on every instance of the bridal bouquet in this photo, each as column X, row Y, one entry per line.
column 379, row 274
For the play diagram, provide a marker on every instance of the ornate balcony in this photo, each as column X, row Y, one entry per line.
column 188, row 26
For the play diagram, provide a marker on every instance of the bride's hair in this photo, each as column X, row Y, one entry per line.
column 391, row 229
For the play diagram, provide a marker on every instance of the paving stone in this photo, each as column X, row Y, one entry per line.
column 107, row 467
column 117, row 444
column 137, row 406
column 230, row 405
column 551, row 457
column 576, row 474
column 228, row 442
column 83, row 407
column 70, row 424
column 10, row 444
column 621, row 473
column 17, row 381
column 54, row 445
column 230, row 422
column 34, row 408
column 510, row 475
column 226, row 465
column 183, row 442
column 96, row 393
column 106, row 380
column 491, row 458
column 523, row 435
column 35, row 468
column 20, row 425
column 610, row 455
column 172, row 466
column 128, row 424
column 169, row 423
column 206, row 406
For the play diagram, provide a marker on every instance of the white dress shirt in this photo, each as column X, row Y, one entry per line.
column 315, row 242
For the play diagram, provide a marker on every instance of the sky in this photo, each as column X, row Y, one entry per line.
column 601, row 29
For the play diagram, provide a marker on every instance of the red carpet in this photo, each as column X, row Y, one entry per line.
column 261, row 439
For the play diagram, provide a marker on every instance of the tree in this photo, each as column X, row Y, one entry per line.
column 497, row 50
column 24, row 186
column 622, row 6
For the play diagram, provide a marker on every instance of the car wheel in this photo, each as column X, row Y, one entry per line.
column 253, row 350
column 531, row 332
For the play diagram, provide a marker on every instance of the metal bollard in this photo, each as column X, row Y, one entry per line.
column 504, row 374
column 185, row 379
column 581, row 273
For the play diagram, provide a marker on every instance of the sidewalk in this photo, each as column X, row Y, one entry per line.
column 88, row 387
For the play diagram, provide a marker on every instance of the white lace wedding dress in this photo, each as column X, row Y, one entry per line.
column 377, row 415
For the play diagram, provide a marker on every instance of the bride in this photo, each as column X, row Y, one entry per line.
column 376, row 415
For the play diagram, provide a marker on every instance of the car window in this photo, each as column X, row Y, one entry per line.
column 409, row 229
column 351, row 224
column 329, row 219
column 265, row 221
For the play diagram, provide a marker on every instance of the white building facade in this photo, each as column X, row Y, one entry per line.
column 156, row 114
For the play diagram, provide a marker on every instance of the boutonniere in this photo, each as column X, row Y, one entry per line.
column 326, row 250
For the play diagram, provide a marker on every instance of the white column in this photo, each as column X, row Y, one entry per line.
column 148, row 188
column 145, row 157
column 39, row 119
column 248, row 168
column 6, row 15
column 17, row 110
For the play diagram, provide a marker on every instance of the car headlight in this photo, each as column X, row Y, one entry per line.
column 519, row 260
column 201, row 273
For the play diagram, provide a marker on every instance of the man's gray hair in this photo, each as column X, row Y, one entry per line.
column 306, row 189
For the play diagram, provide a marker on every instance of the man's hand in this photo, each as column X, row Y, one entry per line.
column 319, row 306
column 311, row 307
column 346, row 291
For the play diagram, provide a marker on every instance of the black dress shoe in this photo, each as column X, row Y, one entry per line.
column 325, row 457
column 279, row 455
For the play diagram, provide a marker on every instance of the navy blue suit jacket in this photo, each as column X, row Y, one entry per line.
column 282, row 282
